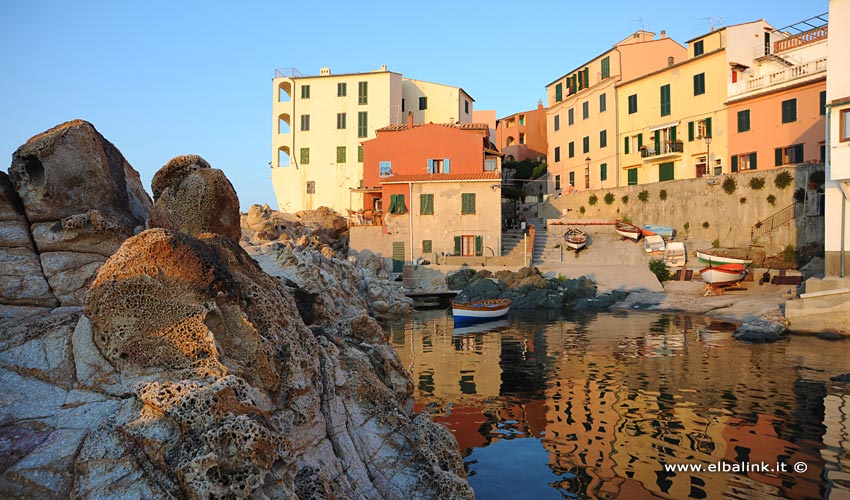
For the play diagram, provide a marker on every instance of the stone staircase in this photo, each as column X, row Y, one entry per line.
column 511, row 242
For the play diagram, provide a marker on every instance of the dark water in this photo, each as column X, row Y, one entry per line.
column 594, row 406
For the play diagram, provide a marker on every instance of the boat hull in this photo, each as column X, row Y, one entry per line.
column 629, row 231
column 718, row 259
column 724, row 273
column 664, row 231
column 575, row 239
column 482, row 310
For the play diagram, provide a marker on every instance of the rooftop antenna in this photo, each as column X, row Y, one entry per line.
column 640, row 21
column 713, row 22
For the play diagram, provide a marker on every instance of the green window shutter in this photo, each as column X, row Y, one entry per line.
column 586, row 77
column 626, row 145
column 360, row 153
column 559, row 93
column 603, row 172
column 633, row 176
column 392, row 203
column 778, row 157
column 657, row 141
column 690, row 131
column 572, row 179
column 798, row 153
column 457, row 245
column 423, row 204
column 572, row 149
column 753, row 164
column 479, row 246
column 640, row 140
column 665, row 100
column 401, row 208
column 472, row 202
column 708, row 127
column 666, row 171
column 822, row 105
column 734, row 163
column 673, row 133
column 426, row 246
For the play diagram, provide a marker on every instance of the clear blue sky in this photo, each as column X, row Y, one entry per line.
column 160, row 79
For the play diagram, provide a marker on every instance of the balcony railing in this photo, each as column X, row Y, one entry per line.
column 785, row 75
column 805, row 38
column 287, row 73
column 670, row 148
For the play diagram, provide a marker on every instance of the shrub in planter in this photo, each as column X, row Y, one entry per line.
column 730, row 185
column 643, row 196
column 660, row 269
column 783, row 180
column 662, row 194
column 771, row 199
column 592, row 200
column 625, row 199
column 756, row 183
column 609, row 198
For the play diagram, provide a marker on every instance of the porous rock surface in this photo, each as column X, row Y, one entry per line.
column 322, row 228
column 195, row 198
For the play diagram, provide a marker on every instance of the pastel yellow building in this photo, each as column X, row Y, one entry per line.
column 320, row 121
column 582, row 112
column 673, row 121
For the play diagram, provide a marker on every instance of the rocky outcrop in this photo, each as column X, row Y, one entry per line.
column 191, row 196
column 323, row 229
column 69, row 202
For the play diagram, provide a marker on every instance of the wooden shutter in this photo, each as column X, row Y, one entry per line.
column 430, row 166
column 657, row 141
column 640, row 140
column 626, row 145
column 633, row 176
column 457, row 245
column 734, row 163
column 778, row 157
column 753, row 165
column 798, row 153
column 708, row 127
column 673, row 133
column 446, row 168
column 603, row 172
column 690, row 131
column 479, row 246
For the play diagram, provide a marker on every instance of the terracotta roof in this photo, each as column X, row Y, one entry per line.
column 477, row 176
column 462, row 126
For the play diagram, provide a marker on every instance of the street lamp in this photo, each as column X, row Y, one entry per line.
column 708, row 155
column 587, row 173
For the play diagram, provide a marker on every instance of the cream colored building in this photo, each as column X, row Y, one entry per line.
column 837, row 237
column 319, row 122
column 665, row 116
column 582, row 113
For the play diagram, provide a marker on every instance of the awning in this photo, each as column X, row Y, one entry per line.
column 664, row 125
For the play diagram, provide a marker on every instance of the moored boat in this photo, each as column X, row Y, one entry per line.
column 675, row 254
column 575, row 238
column 480, row 310
column 716, row 256
column 653, row 243
column 723, row 273
column 627, row 230
column 663, row 231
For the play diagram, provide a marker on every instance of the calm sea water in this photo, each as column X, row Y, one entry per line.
column 594, row 406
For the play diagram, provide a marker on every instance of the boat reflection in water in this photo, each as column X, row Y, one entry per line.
column 595, row 406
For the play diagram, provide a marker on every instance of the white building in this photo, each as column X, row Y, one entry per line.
column 320, row 121
column 837, row 220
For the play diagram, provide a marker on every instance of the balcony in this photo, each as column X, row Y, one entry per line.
column 786, row 75
column 805, row 38
column 668, row 149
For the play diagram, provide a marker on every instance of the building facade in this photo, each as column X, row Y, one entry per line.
column 582, row 111
column 433, row 189
column 837, row 190
column 522, row 136
column 776, row 109
column 319, row 122
column 673, row 122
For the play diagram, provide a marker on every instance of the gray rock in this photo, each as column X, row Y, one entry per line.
column 760, row 331
column 460, row 279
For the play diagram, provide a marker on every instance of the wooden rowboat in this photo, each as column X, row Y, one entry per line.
column 716, row 256
column 480, row 310
column 626, row 230
column 664, row 231
column 723, row 273
column 653, row 243
column 575, row 238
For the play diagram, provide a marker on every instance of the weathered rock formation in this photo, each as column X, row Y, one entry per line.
column 192, row 373
column 69, row 202
column 323, row 229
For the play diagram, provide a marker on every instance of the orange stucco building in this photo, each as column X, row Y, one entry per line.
column 522, row 135
column 776, row 109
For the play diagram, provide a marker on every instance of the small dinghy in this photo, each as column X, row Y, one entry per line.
column 575, row 238
column 480, row 310
column 664, row 231
column 675, row 254
column 626, row 230
column 653, row 243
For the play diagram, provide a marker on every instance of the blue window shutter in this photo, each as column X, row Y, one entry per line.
column 430, row 166
column 446, row 166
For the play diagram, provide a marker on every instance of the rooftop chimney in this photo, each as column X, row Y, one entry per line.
column 671, row 61
column 663, row 34
column 383, row 67
column 410, row 119
column 325, row 72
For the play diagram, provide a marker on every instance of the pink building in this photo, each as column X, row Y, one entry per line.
column 522, row 136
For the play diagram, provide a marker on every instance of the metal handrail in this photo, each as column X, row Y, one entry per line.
column 776, row 220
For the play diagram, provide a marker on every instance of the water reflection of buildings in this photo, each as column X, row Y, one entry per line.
column 616, row 396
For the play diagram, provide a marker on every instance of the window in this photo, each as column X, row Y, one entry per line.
column 402, row 104
column 744, row 162
column 603, row 172
column 744, row 120
column 522, row 137
column 311, row 187
column 559, row 92
column 467, row 203
column 822, row 105
column 426, row 204
column 305, row 156
column 665, row 171
column 557, row 153
column 362, row 124
column 633, row 176
column 439, row 166
column 585, row 144
column 522, row 119
column 340, row 154
column 490, row 165
column 340, row 120
column 603, row 105
column 571, row 149
column 573, row 179
column 699, row 129
column 844, row 125
column 789, row 111
column 789, row 155
column 633, row 104
column 603, row 138
column 606, row 67
column 468, row 245
column 341, row 89
column 305, row 92
column 305, row 122
column 385, row 168
column 466, row 106
column 585, row 110
column 363, row 93
column 557, row 123
column 360, row 153
column 699, row 84
column 397, row 204
column 557, row 182
column 426, row 246
column 665, row 100
column 571, row 117
column 699, row 48
column 423, row 103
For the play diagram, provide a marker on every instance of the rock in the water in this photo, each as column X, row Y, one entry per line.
column 460, row 279
column 760, row 330
column 193, row 198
